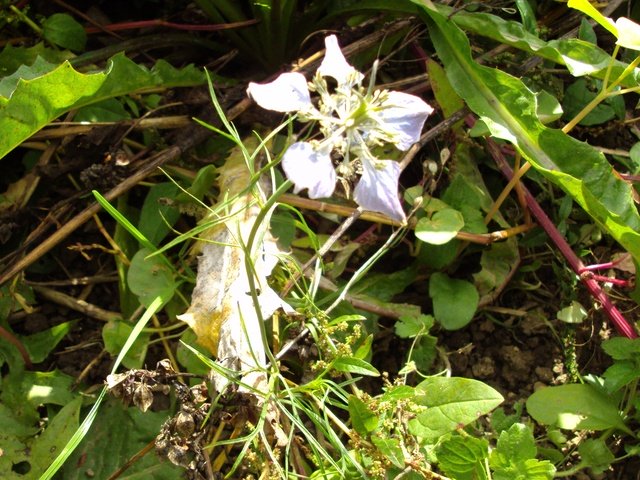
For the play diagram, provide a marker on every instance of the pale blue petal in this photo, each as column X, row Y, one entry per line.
column 377, row 189
column 335, row 65
column 308, row 168
column 404, row 115
column 287, row 93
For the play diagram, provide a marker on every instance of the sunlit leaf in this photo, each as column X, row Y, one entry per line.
column 575, row 407
column 354, row 365
column 509, row 110
column 452, row 403
column 150, row 277
column 363, row 419
column 463, row 457
column 574, row 313
column 390, row 448
column 37, row 100
column 443, row 226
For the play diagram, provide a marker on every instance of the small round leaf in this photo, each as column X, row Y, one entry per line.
column 441, row 227
column 62, row 30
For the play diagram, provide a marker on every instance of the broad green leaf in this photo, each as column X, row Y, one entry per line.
column 497, row 262
column 115, row 335
column 411, row 326
column 620, row 348
column 575, row 407
column 32, row 455
column 588, row 9
column 443, row 226
column 445, row 95
column 578, row 95
column 24, row 392
column 385, row 286
column 548, row 108
column 514, row 458
column 466, row 188
column 202, row 184
column 354, row 365
column 509, row 110
column 107, row 110
column 46, row 447
column 425, row 352
column 390, row 448
column 81, row 432
column 150, row 277
column 157, row 216
column 24, row 72
column 12, row 58
column 35, row 102
column 438, row 257
column 621, row 373
column 528, row 16
column 363, row 419
column 118, row 433
column 580, row 57
column 395, row 393
column 14, row 458
column 574, row 313
column 500, row 421
column 39, row 345
column 463, row 457
column 363, row 349
column 531, row 469
column 595, row 454
column 454, row 301
column 12, row 427
column 63, row 30
column 186, row 357
column 452, row 403
column 586, row 32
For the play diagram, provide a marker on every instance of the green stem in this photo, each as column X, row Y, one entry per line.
column 34, row 26
column 605, row 93
column 605, row 81
column 261, row 217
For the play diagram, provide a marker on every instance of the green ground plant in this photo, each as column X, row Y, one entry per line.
column 290, row 386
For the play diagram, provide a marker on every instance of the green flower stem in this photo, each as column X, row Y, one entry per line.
column 26, row 19
column 260, row 218
column 605, row 93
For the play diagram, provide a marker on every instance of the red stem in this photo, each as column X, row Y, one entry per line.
column 620, row 323
column 114, row 27
column 11, row 338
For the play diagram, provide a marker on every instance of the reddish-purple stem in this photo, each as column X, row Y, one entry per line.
column 601, row 278
column 620, row 323
column 604, row 266
column 114, row 27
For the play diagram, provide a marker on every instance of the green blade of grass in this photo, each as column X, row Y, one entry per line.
column 86, row 424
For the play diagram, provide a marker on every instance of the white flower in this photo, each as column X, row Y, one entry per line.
column 377, row 189
column 335, row 65
column 309, row 168
column 352, row 120
column 628, row 33
column 286, row 93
